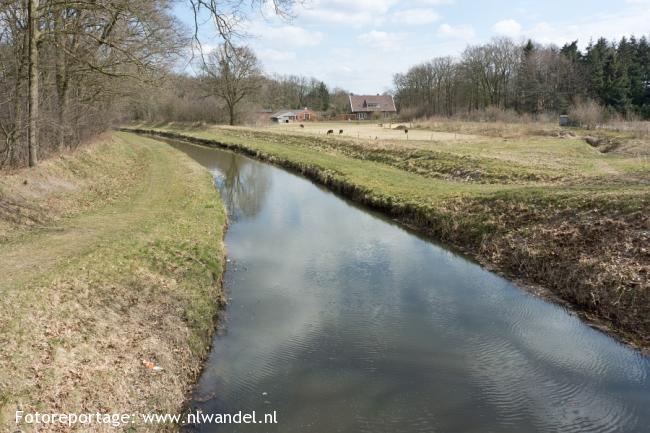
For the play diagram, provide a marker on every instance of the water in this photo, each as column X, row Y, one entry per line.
column 343, row 322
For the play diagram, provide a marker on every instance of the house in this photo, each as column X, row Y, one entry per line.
column 305, row 115
column 365, row 107
column 284, row 116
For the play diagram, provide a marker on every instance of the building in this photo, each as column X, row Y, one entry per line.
column 305, row 115
column 365, row 107
column 284, row 116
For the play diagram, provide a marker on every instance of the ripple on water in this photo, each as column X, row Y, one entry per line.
column 344, row 323
column 523, row 387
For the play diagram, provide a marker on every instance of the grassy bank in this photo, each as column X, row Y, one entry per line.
column 553, row 213
column 111, row 261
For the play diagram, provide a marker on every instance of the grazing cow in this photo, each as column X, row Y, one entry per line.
column 406, row 131
column 340, row 131
column 302, row 126
column 331, row 131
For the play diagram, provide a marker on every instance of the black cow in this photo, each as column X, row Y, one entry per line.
column 340, row 131
column 331, row 131
column 302, row 126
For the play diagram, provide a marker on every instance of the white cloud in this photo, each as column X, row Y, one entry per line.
column 285, row 36
column 271, row 55
column 507, row 28
column 379, row 6
column 382, row 40
column 461, row 31
column 345, row 18
column 610, row 26
column 353, row 13
column 360, row 13
column 415, row 17
column 436, row 2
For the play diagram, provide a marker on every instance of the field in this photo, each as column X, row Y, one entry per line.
column 367, row 131
column 111, row 262
column 566, row 219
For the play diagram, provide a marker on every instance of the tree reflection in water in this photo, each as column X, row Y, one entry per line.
column 243, row 186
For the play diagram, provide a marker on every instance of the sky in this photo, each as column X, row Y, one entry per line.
column 358, row 45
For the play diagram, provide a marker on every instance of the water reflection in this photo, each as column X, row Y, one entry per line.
column 341, row 322
column 243, row 187
column 242, row 183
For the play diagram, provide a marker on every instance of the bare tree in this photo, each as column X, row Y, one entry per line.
column 64, row 61
column 32, row 65
column 232, row 73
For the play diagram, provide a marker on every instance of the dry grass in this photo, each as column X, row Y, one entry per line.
column 65, row 186
column 124, row 268
column 373, row 131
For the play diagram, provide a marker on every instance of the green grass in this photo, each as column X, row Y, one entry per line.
column 125, row 268
column 547, row 211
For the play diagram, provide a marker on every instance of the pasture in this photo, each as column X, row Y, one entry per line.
column 368, row 131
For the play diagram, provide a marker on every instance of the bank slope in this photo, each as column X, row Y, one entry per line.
column 555, row 215
column 111, row 261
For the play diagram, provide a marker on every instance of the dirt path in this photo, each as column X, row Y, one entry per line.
column 39, row 253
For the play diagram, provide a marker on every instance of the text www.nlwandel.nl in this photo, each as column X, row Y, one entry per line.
column 122, row 419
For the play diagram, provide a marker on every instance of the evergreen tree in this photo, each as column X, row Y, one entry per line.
column 616, row 82
column 595, row 59
column 527, row 85
column 571, row 52
column 323, row 96
column 641, row 84
column 572, row 83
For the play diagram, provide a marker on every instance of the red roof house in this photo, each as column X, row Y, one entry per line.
column 365, row 106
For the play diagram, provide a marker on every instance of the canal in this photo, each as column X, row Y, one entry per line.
column 341, row 321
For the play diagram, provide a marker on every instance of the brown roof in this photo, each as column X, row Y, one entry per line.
column 372, row 103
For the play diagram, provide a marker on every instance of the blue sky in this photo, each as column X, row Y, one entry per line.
column 359, row 44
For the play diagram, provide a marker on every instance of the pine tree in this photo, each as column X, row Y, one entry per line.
column 572, row 81
column 323, row 96
column 595, row 59
column 616, row 82
column 641, row 94
column 527, row 86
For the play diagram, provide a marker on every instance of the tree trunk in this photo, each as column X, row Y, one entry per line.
column 32, row 113
column 62, row 79
column 61, row 118
column 231, row 112
column 62, row 110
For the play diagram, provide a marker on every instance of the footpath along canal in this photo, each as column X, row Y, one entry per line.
column 341, row 321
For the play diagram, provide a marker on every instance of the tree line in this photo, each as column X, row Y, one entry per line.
column 530, row 78
column 234, row 89
column 69, row 68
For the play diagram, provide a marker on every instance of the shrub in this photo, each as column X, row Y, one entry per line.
column 587, row 113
